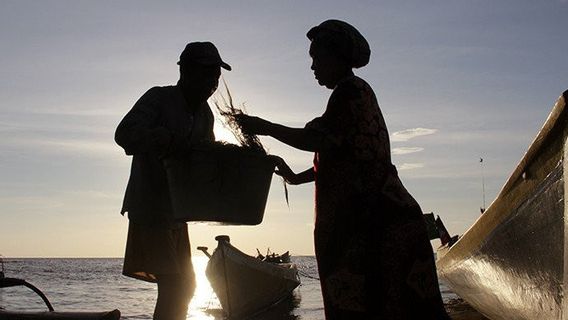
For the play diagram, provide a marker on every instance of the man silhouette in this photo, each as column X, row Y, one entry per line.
column 166, row 121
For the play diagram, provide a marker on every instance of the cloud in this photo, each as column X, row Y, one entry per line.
column 87, row 147
column 406, row 150
column 408, row 134
column 410, row 166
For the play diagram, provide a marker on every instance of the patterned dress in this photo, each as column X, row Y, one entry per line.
column 374, row 256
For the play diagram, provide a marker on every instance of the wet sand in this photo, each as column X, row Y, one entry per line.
column 457, row 309
column 460, row 310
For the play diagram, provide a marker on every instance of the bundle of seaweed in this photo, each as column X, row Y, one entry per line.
column 226, row 108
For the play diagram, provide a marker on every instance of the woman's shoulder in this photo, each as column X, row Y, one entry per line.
column 352, row 89
column 353, row 86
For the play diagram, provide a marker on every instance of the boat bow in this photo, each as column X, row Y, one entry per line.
column 511, row 263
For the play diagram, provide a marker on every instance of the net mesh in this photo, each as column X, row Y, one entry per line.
column 223, row 101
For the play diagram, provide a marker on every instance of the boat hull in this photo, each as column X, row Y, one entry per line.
column 511, row 263
column 246, row 285
column 52, row 315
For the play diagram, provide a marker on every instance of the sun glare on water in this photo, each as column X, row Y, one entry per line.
column 204, row 305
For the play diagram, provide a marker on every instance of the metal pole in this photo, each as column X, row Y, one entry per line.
column 482, row 183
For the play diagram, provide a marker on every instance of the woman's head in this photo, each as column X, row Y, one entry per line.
column 328, row 67
column 336, row 48
column 343, row 40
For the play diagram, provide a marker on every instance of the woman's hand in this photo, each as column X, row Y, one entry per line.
column 253, row 125
column 283, row 170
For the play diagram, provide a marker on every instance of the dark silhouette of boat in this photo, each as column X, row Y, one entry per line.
column 6, row 282
column 246, row 285
column 512, row 263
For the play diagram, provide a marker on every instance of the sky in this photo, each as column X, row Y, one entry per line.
column 457, row 80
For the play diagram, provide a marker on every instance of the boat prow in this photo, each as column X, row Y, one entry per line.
column 512, row 263
column 246, row 285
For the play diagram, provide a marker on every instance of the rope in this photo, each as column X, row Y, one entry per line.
column 303, row 274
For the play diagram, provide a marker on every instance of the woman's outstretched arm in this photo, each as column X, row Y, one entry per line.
column 289, row 176
column 299, row 138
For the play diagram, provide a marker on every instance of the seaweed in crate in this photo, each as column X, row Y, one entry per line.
column 225, row 106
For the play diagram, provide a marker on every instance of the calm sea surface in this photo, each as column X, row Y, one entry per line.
column 97, row 285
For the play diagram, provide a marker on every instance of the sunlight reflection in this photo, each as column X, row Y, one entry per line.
column 223, row 134
column 204, row 305
column 220, row 128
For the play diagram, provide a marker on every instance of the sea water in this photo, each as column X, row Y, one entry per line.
column 96, row 284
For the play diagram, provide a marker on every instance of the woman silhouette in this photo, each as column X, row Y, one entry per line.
column 374, row 256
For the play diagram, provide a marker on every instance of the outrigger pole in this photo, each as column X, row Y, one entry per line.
column 482, row 209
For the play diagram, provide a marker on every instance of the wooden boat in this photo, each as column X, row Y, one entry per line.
column 46, row 315
column 53, row 315
column 513, row 262
column 246, row 285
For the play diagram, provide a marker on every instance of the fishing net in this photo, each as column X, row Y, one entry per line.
column 224, row 103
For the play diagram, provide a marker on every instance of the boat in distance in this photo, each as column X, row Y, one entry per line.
column 512, row 263
column 245, row 285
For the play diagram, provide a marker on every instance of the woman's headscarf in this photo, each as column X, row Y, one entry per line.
column 343, row 39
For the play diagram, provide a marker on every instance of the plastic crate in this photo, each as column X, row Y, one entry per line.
column 225, row 185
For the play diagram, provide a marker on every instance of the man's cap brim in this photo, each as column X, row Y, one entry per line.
column 221, row 64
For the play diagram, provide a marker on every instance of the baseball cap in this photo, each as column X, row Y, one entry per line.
column 203, row 53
